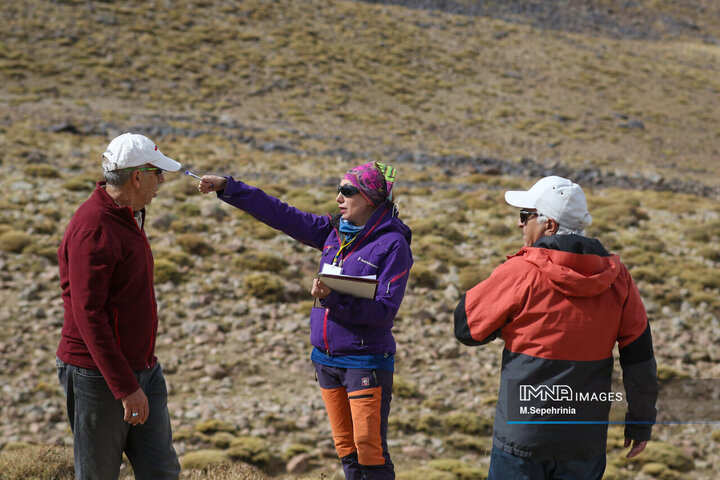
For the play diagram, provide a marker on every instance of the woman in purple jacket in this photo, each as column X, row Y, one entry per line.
column 354, row 347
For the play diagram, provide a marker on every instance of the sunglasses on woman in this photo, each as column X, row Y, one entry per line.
column 348, row 190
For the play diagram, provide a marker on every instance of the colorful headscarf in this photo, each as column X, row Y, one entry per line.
column 374, row 180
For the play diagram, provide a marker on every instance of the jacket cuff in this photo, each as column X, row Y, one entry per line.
column 331, row 300
column 634, row 431
column 231, row 187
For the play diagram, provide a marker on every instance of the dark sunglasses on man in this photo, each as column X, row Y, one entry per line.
column 526, row 215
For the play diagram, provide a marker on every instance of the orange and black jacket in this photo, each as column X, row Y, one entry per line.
column 561, row 306
column 106, row 276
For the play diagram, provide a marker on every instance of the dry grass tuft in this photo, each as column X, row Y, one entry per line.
column 37, row 462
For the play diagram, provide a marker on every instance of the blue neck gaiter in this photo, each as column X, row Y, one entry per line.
column 349, row 229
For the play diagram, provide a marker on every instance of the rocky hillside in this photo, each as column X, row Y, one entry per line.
column 466, row 99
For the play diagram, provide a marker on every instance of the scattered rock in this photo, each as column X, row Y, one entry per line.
column 299, row 464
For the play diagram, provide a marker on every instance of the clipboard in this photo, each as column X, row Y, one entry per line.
column 360, row 287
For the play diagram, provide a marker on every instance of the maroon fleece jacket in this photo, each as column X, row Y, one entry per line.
column 106, row 276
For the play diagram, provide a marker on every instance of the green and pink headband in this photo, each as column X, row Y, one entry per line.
column 374, row 180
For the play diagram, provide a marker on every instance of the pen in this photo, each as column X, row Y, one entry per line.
column 193, row 175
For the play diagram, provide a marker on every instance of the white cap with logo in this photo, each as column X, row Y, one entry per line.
column 132, row 150
column 557, row 198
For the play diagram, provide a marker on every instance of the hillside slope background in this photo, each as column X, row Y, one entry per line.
column 466, row 99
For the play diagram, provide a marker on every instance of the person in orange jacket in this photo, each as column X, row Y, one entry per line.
column 561, row 304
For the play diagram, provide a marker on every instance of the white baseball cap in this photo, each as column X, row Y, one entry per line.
column 132, row 150
column 557, row 198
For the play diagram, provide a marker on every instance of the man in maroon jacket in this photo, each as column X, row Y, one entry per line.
column 115, row 390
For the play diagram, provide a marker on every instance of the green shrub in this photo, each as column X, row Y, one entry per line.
column 659, row 470
column 498, row 229
column 708, row 278
column 470, row 276
column 429, row 226
column 665, row 373
column 438, row 248
column 425, row 474
column 166, row 271
column 215, row 425
column 252, row 450
column 469, row 423
column 294, row 450
column 612, row 472
column 711, row 253
column 666, row 454
column 180, row 434
column 202, row 459
column 422, row 276
column 478, row 201
column 45, row 227
column 302, row 200
column 405, row 424
column 195, row 244
column 473, row 443
column 437, row 403
column 178, row 257
column 258, row 230
column 404, row 388
column 222, row 439
column 180, row 190
column 698, row 234
column 696, row 298
column 42, row 171
column 264, row 286
column 14, row 241
column 653, row 244
column 469, row 473
column 79, row 184
column 260, row 261
column 189, row 209
column 49, row 252
column 621, row 214
column 427, row 423
column 446, row 464
column 647, row 274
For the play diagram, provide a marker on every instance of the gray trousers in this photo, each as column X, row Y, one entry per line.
column 101, row 435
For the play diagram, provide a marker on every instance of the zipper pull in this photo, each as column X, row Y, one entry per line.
column 360, row 259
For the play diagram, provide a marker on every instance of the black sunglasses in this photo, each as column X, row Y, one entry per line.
column 348, row 190
column 526, row 215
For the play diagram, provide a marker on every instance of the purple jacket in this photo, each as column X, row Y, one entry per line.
column 346, row 325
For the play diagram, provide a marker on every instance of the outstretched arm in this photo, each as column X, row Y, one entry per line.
column 304, row 227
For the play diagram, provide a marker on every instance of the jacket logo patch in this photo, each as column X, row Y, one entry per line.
column 365, row 382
